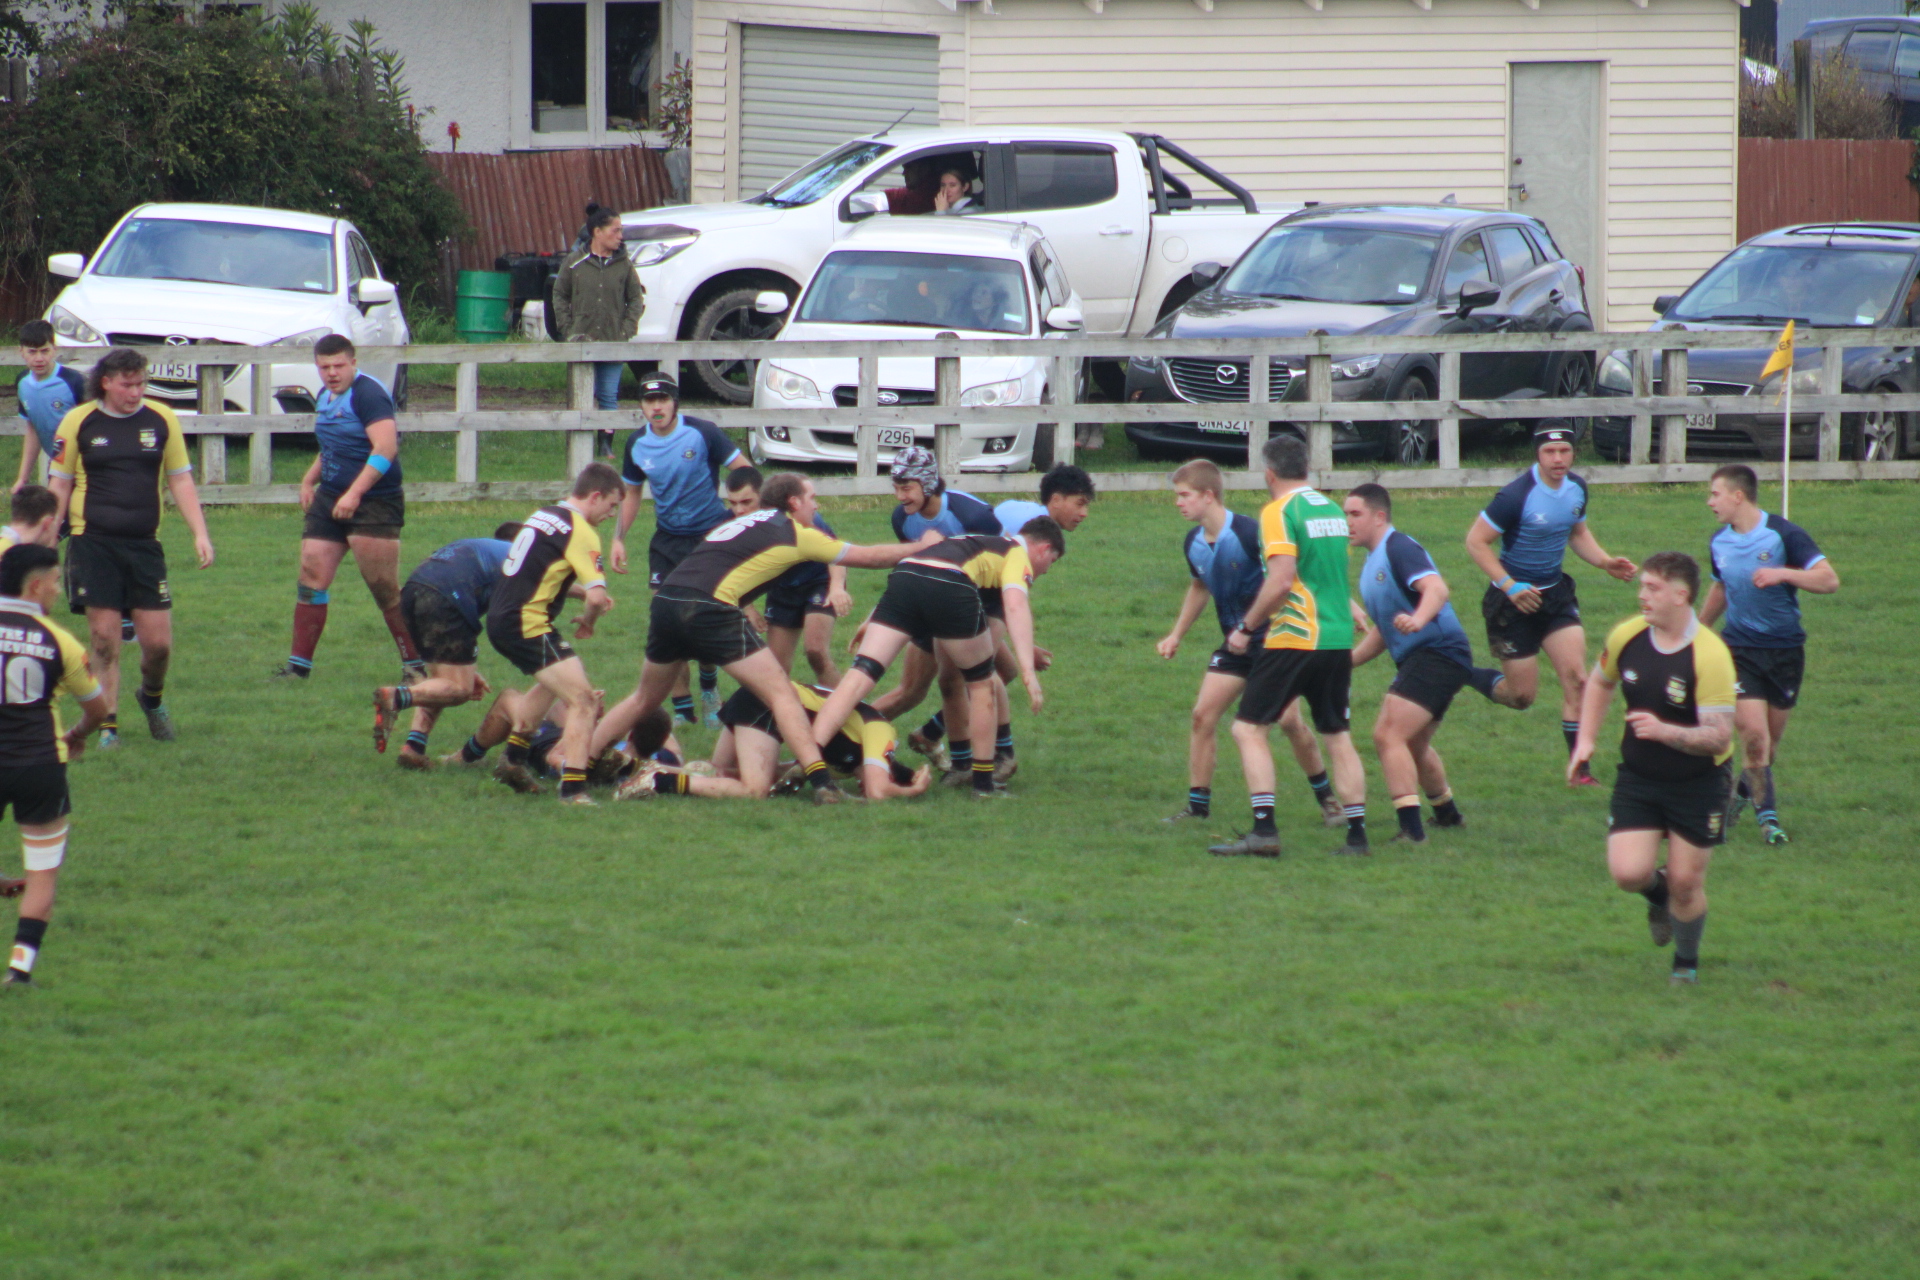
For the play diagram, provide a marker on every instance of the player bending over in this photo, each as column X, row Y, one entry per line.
column 802, row 604
column 1678, row 680
column 652, row 738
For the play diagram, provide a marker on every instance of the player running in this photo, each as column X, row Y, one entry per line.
column 444, row 603
column 1223, row 558
column 1761, row 562
column 934, row 601
column 1531, row 603
column 803, row 603
column 697, row 614
column 747, row 755
column 1413, row 621
column 111, row 456
column 681, row 458
column 354, row 502
column 555, row 548
column 1308, row 649
column 1672, row 783
column 41, row 660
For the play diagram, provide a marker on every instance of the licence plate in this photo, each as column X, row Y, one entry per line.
column 1227, row 428
column 896, row 437
column 1701, row 422
column 176, row 372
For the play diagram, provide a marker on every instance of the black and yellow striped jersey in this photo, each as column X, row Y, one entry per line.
column 1676, row 687
column 990, row 560
column 118, row 466
column 866, row 737
column 742, row 557
column 37, row 660
column 554, row 547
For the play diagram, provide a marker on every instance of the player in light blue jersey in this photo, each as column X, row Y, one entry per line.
column 1414, row 623
column 47, row 391
column 1536, row 519
column 1761, row 562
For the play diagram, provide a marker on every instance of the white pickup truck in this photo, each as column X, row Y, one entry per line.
column 1127, row 225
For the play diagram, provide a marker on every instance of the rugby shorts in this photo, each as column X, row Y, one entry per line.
column 530, row 655
column 1692, row 808
column 1772, row 674
column 376, row 517
column 37, row 793
column 665, row 551
column 440, row 632
column 116, row 573
column 931, row 604
column 686, row 626
column 744, row 710
column 1513, row 634
column 1323, row 677
column 1225, row 662
column 792, row 609
column 1429, row 679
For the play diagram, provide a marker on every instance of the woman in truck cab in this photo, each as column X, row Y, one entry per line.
column 955, row 194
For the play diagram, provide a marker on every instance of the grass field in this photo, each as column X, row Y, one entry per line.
column 301, row 1015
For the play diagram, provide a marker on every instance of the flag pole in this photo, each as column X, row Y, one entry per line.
column 1786, row 447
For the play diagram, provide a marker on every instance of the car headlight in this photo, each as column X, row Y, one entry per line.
column 1806, row 382
column 305, row 338
column 988, row 394
column 1358, row 367
column 69, row 325
column 1614, row 375
column 651, row 253
column 789, row 385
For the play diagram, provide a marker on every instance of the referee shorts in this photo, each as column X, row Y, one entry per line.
column 1772, row 674
column 1513, row 634
column 1692, row 808
column 1324, row 677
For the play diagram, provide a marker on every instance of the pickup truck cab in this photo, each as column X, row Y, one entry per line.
column 1126, row 225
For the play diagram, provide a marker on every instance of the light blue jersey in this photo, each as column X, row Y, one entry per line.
column 1534, row 523
column 1387, row 590
column 1761, row 617
column 44, row 401
column 683, row 466
column 960, row 514
column 1014, row 513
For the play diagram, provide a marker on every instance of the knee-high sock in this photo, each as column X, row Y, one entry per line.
column 309, row 620
column 398, row 626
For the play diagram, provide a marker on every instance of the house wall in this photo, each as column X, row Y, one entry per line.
column 462, row 61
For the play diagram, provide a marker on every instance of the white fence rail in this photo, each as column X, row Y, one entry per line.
column 1665, row 409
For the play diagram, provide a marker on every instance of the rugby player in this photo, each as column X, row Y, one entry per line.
column 803, row 603
column 35, row 518
column 1222, row 552
column 46, row 391
column 681, row 458
column 555, row 548
column 934, row 602
column 652, row 738
column 697, row 614
column 1308, row 648
column 1678, row 679
column 1531, row 603
column 1761, row 562
column 1407, row 600
column 444, row 603
column 40, row 661
column 353, row 502
column 747, row 755
column 110, row 458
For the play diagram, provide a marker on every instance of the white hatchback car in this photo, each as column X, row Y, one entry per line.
column 889, row 280
column 179, row 275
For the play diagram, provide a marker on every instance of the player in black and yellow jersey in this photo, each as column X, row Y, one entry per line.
column 697, row 615
column 555, row 553
column 111, row 456
column 935, row 600
column 747, row 755
column 1673, row 779
column 38, row 660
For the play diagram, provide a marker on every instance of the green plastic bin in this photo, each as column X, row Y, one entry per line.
column 482, row 306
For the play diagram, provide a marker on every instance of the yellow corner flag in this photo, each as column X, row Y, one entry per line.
column 1782, row 357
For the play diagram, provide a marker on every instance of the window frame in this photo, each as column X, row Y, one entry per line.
column 1014, row 203
column 1498, row 263
column 1446, row 266
column 596, row 134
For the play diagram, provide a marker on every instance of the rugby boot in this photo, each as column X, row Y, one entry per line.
column 1331, row 812
column 160, row 725
column 710, row 708
column 287, row 672
column 640, row 785
column 416, row 761
column 1772, row 832
column 1183, row 815
column 1684, row 978
column 580, row 798
column 1659, row 924
column 517, row 776
column 1251, row 845
column 1004, row 767
column 1584, row 778
column 385, row 717
column 933, row 750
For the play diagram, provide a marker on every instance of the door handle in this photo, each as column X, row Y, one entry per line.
column 1116, row 231
column 1554, row 295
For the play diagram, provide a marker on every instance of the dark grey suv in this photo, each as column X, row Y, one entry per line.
column 1385, row 269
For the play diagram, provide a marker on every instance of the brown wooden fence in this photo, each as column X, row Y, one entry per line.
column 1788, row 180
column 535, row 201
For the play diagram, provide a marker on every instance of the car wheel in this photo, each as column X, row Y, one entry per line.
column 1574, row 380
column 1878, row 436
column 1043, row 437
column 729, row 317
column 1410, row 441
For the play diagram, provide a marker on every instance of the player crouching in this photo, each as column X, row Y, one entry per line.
column 747, row 755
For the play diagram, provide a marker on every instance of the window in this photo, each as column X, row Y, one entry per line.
column 220, row 253
column 1052, row 281
column 1060, row 176
column 595, row 69
column 1906, row 62
column 359, row 260
column 1870, row 50
column 1512, row 251
column 915, row 196
column 1335, row 264
column 920, row 290
column 1469, row 262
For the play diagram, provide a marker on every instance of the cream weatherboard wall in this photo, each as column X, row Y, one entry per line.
column 1354, row 100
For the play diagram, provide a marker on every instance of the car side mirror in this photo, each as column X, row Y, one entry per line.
column 67, row 265
column 372, row 293
column 1664, row 303
column 1205, row 273
column 864, row 204
column 770, row 302
column 1475, row 294
column 1065, row 317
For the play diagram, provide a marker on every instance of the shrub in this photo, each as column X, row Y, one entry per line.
column 1843, row 106
column 233, row 110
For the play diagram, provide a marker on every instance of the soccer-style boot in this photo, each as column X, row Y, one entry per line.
column 1772, row 832
column 1401, row 837
column 17, row 980
column 1250, row 845
column 517, row 776
column 1183, row 815
column 109, row 739
column 417, row 761
column 1331, row 812
column 1684, row 978
column 1583, row 777
column 639, row 786
column 1004, row 767
column 459, row 757
column 957, row 777
column 1659, row 923
column 580, row 798
column 1360, row 850
column 160, row 725
column 933, row 750
column 385, row 717
column 710, row 708
column 829, row 794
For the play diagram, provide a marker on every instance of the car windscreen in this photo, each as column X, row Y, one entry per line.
column 821, row 177
column 220, row 253
column 1336, row 264
column 1822, row 287
column 927, row 290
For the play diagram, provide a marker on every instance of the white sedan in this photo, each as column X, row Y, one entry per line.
column 180, row 275
column 890, row 280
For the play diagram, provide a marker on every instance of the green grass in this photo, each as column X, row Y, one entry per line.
column 302, row 1015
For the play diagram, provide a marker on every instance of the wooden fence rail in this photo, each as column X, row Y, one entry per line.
column 1317, row 410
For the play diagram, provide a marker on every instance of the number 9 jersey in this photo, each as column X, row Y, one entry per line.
column 37, row 660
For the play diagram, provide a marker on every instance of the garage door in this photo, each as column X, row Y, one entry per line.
column 803, row 91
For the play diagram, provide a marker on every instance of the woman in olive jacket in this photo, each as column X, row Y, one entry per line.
column 598, row 297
